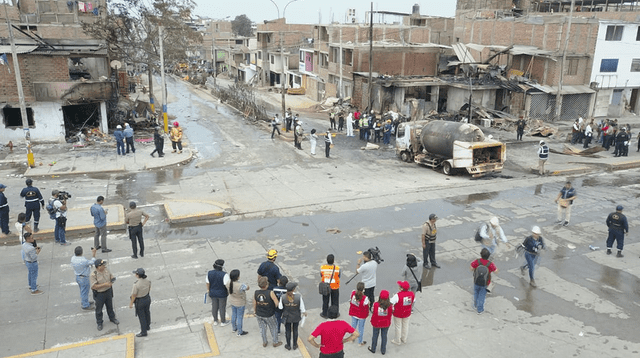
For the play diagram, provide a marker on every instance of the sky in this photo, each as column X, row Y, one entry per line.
column 313, row 11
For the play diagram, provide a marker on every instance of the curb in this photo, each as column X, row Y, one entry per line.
column 176, row 219
column 623, row 165
column 85, row 229
column 571, row 171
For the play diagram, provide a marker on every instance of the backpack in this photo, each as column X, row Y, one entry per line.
column 51, row 210
column 481, row 274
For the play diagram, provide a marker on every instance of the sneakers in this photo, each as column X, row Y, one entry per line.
column 480, row 312
column 277, row 344
column 89, row 308
column 104, row 251
column 242, row 333
column 619, row 254
column 608, row 251
column 215, row 323
column 427, row 266
column 558, row 221
column 566, row 223
column 371, row 350
column 435, row 265
column 134, row 256
column 533, row 283
column 141, row 334
column 222, row 324
column 36, row 292
column 100, row 327
column 115, row 321
column 65, row 243
column 397, row 343
column 522, row 268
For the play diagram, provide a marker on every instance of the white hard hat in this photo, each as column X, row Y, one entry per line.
column 494, row 221
column 541, row 142
column 536, row 230
column 118, row 127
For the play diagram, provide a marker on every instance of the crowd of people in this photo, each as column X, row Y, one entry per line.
column 125, row 137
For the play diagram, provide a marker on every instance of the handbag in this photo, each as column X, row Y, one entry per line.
column 419, row 281
column 324, row 288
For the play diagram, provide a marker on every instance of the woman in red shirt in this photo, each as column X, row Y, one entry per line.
column 359, row 310
column 381, row 321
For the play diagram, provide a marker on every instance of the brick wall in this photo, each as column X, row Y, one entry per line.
column 33, row 68
column 400, row 61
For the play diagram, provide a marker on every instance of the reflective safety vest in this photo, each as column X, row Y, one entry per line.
column 543, row 152
column 325, row 272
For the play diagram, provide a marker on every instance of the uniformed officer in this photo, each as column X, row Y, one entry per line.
column 543, row 155
column 4, row 211
column 140, row 297
column 621, row 140
column 101, row 281
column 33, row 201
column 618, row 226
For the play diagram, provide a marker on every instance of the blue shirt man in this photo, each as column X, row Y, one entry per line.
column 128, row 136
column 119, row 139
column 100, row 222
column 30, row 252
column 269, row 269
column 565, row 199
column 82, row 269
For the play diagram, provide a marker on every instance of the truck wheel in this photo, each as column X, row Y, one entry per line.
column 405, row 157
column 446, row 168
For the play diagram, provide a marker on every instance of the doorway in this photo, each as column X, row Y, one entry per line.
column 79, row 117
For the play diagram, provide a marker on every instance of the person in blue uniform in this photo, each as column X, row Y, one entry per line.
column 618, row 226
column 33, row 201
column 4, row 211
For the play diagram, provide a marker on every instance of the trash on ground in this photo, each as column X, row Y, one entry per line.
column 334, row 231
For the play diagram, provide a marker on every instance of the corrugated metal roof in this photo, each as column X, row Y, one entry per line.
column 19, row 48
column 463, row 53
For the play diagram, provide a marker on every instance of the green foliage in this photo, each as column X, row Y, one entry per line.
column 241, row 26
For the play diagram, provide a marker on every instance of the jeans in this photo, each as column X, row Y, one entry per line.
column 33, row 275
column 274, row 130
column 83, row 283
column 358, row 324
column 333, row 296
column 327, row 148
column 278, row 319
column 219, row 305
column 383, row 339
column 135, row 233
column 291, row 328
column 492, row 248
column 120, row 146
column 270, row 323
column 59, row 231
column 519, row 134
column 237, row 314
column 532, row 259
column 100, row 237
column 479, row 294
column 144, row 314
column 178, row 144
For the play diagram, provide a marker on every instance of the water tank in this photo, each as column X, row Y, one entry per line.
column 437, row 137
column 415, row 11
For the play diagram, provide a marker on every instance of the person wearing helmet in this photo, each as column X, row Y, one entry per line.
column 269, row 269
column 33, row 200
column 543, row 155
column 176, row 137
column 119, row 134
column 533, row 244
column 489, row 232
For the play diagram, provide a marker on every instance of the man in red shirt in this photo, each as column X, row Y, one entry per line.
column 332, row 332
column 480, row 288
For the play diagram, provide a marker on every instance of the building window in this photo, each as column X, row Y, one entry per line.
column 324, row 60
column 13, row 117
column 273, row 59
column 635, row 65
column 259, row 55
column 572, row 66
column 638, row 34
column 301, row 56
column 614, row 33
column 335, row 53
column 238, row 42
column 609, row 65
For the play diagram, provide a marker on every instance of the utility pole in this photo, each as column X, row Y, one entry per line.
column 562, row 63
column 340, row 94
column 282, row 77
column 23, row 105
column 214, row 56
column 164, row 86
column 371, row 59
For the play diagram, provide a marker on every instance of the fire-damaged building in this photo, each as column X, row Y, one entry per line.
column 64, row 73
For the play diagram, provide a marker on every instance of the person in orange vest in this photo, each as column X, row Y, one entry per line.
column 330, row 273
column 402, row 303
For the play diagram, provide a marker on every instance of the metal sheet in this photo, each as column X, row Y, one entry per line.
column 19, row 48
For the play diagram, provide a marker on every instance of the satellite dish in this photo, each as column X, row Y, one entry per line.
column 115, row 64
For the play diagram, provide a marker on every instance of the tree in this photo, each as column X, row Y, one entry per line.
column 241, row 26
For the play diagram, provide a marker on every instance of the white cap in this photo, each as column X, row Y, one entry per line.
column 118, row 127
column 541, row 142
column 494, row 221
column 536, row 230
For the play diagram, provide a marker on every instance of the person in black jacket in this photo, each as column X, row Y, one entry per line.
column 158, row 140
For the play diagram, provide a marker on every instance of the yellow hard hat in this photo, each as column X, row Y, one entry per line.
column 272, row 254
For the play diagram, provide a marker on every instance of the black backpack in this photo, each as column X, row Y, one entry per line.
column 482, row 275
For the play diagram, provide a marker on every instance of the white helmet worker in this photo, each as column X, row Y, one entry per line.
column 536, row 230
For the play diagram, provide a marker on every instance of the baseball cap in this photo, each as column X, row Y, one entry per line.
column 404, row 285
column 139, row 271
column 2, row 186
column 619, row 207
column 432, row 216
column 272, row 254
column 384, row 295
column 100, row 262
column 291, row 286
column 494, row 221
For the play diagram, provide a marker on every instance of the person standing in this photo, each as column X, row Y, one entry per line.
column 482, row 269
column 520, row 124
column 279, row 291
column 368, row 268
column 82, row 269
column 412, row 272
column 575, row 132
column 269, row 269
column 565, row 199
column 217, row 283
column 543, row 155
column 588, row 134
column 4, row 211
column 350, row 125
column 332, row 118
column 381, row 321
column 622, row 140
column 101, row 283
column 489, row 233
column 238, row 301
column 340, row 121
column 618, row 226
column 22, row 227
column 128, row 136
column 30, row 252
column 264, row 306
column 332, row 335
column 119, row 135
column 299, row 132
column 100, row 222
column 359, row 311
column 330, row 273
column 292, row 307
column 275, row 122
column 313, row 139
column 176, row 137
column 135, row 222
column 429, row 233
column 402, row 304
column 33, row 200
column 60, row 206
column 140, row 297
column 288, row 116
column 328, row 142
column 158, row 141
column 533, row 245
column 387, row 132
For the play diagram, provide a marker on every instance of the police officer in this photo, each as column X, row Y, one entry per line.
column 621, row 139
column 4, row 211
column 543, row 155
column 618, row 226
column 33, row 200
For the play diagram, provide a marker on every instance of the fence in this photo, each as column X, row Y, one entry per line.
column 543, row 106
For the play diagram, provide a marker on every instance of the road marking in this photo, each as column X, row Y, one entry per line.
column 213, row 344
column 130, row 342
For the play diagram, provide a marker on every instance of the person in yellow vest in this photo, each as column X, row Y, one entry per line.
column 330, row 273
column 176, row 137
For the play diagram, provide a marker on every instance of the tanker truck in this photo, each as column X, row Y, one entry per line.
column 449, row 145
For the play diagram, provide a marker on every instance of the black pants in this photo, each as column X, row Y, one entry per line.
column 130, row 145
column 587, row 141
column 334, row 296
column 159, row 148
column 33, row 208
column 429, row 253
column 333, row 123
column 4, row 220
column 291, row 328
column 519, row 134
column 327, row 148
column 340, row 124
column 332, row 355
column 144, row 314
column 275, row 129
column 178, row 144
column 104, row 299
column 135, row 235
column 371, row 294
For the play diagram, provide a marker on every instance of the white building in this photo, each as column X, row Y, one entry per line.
column 616, row 68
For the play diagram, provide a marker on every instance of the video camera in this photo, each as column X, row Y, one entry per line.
column 64, row 195
column 375, row 254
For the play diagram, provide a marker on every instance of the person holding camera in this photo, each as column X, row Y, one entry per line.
column 82, row 268
column 101, row 283
column 59, row 203
column 100, row 222
column 30, row 252
column 368, row 268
